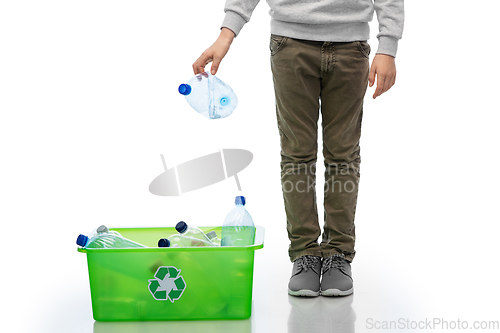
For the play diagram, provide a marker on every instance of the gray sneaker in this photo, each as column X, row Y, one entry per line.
column 337, row 277
column 305, row 276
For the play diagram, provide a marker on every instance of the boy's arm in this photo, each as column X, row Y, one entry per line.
column 384, row 68
column 214, row 53
column 390, row 15
column 238, row 12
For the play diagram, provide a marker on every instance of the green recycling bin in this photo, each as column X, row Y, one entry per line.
column 189, row 283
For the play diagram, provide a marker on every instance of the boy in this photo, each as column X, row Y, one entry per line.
column 319, row 60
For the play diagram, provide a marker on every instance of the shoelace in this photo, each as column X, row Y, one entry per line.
column 306, row 262
column 335, row 261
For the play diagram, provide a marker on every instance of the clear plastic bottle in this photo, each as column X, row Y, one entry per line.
column 209, row 96
column 189, row 236
column 212, row 235
column 103, row 238
column 238, row 228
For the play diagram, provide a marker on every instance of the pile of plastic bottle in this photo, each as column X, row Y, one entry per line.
column 238, row 230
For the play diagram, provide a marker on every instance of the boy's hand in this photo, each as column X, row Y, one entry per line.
column 214, row 53
column 384, row 67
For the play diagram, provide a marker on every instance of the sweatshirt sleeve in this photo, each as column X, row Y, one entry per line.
column 390, row 15
column 238, row 12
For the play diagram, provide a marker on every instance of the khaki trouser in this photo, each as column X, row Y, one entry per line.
column 310, row 76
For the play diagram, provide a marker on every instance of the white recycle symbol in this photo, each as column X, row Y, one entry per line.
column 168, row 284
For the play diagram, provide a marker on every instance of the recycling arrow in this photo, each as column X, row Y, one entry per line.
column 167, row 284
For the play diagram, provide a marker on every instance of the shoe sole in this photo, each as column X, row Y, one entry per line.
column 305, row 293
column 336, row 292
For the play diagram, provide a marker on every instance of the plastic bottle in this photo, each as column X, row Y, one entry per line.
column 165, row 242
column 238, row 228
column 212, row 235
column 189, row 236
column 209, row 96
column 103, row 238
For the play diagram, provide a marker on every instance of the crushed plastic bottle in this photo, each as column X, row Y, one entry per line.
column 238, row 228
column 103, row 238
column 209, row 96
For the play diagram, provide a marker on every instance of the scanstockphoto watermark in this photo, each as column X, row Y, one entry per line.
column 340, row 177
column 431, row 324
column 309, row 185
column 343, row 168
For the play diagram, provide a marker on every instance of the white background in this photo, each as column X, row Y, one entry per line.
column 88, row 102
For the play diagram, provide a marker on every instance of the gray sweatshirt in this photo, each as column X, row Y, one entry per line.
column 325, row 20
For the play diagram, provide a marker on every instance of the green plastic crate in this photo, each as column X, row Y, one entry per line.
column 195, row 283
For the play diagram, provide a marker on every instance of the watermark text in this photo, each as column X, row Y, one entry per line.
column 431, row 324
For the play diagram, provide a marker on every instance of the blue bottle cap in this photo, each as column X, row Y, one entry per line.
column 82, row 240
column 164, row 242
column 224, row 101
column 240, row 200
column 185, row 89
column 181, row 227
